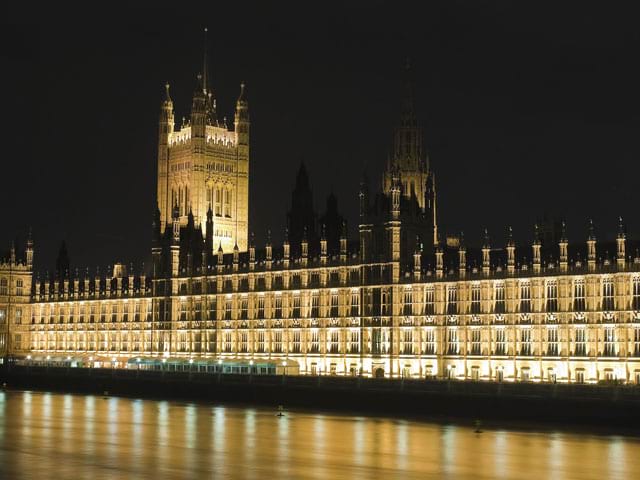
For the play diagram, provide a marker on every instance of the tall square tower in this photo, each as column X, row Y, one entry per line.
column 205, row 164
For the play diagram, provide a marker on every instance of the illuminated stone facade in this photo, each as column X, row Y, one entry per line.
column 384, row 305
column 15, row 298
column 578, row 323
column 205, row 165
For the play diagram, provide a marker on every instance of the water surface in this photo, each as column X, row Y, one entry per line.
column 46, row 435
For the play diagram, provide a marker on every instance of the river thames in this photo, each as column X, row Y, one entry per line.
column 47, row 435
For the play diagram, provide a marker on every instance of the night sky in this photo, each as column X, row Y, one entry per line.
column 528, row 109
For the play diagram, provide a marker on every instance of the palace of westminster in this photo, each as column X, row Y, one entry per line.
column 395, row 302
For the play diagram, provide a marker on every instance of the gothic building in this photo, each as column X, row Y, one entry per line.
column 395, row 302
column 204, row 164
column 15, row 297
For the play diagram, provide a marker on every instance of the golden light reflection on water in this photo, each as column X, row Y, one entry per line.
column 45, row 435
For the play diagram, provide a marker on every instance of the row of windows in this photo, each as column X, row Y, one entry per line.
column 17, row 315
column 220, row 199
column 4, row 286
column 277, row 282
column 551, row 297
column 93, row 314
column 349, row 341
column 334, row 305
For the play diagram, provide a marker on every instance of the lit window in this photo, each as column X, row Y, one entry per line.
column 607, row 294
column 609, row 342
column 501, row 342
column 429, row 305
column 407, row 342
column 525, row 342
column 452, row 341
column 636, row 293
column 552, row 296
column 476, row 341
column 355, row 341
column 525, row 297
column 452, row 300
column 475, row 298
column 408, row 301
column 581, row 342
column 499, row 296
column 578, row 295
column 334, row 304
column 552, row 341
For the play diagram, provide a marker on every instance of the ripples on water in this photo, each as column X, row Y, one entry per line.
column 44, row 435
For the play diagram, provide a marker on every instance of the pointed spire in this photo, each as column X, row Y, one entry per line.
column 176, row 210
column 220, row 263
column 167, row 95
column 621, row 229
column 408, row 118
column 563, row 232
column 190, row 219
column 536, row 234
column 252, row 251
column 29, row 250
column 591, row 247
column 462, row 257
column 176, row 224
column 439, row 258
column 486, row 254
column 268, row 250
column 205, row 79
column 241, row 97
column 564, row 252
column 418, row 248
column 510, row 236
column 621, row 245
column 486, row 239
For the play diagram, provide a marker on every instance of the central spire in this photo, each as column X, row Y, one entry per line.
column 209, row 99
column 205, row 79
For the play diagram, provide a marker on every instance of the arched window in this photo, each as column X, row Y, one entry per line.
column 227, row 202
column 218, row 203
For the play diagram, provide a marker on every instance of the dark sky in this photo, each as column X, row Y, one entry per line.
column 528, row 108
